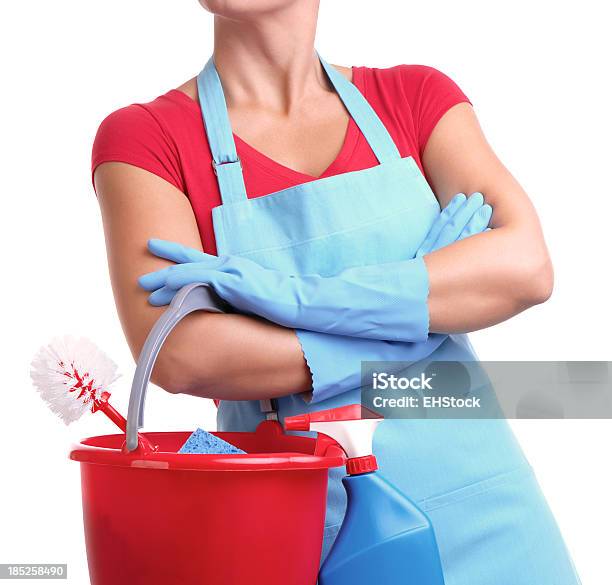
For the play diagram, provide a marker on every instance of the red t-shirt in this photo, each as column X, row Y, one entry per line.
column 166, row 137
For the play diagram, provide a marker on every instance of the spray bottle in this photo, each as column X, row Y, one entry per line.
column 385, row 538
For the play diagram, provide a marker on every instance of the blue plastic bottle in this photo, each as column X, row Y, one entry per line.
column 385, row 539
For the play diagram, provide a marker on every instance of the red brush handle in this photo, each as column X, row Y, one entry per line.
column 105, row 406
column 109, row 410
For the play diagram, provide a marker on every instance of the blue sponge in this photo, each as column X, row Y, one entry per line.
column 202, row 442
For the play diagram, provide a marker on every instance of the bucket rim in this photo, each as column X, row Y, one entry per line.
column 271, row 461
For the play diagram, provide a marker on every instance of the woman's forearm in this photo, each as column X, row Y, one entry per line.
column 486, row 279
column 474, row 283
column 231, row 357
column 492, row 276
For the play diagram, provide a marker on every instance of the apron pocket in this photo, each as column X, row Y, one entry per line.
column 500, row 531
column 434, row 502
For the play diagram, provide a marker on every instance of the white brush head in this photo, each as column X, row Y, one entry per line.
column 70, row 373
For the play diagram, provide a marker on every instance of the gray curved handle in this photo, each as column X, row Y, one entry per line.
column 193, row 297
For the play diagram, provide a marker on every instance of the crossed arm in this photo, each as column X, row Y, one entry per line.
column 474, row 283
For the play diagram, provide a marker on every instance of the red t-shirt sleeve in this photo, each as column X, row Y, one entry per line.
column 430, row 94
column 133, row 135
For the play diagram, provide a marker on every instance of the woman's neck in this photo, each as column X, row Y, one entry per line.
column 270, row 61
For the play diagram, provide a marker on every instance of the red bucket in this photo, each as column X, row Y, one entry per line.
column 165, row 518
column 157, row 517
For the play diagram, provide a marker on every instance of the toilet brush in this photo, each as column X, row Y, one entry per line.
column 73, row 376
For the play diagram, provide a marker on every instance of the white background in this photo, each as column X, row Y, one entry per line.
column 539, row 78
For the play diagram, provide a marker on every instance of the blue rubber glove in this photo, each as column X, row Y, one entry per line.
column 387, row 301
column 461, row 218
column 335, row 361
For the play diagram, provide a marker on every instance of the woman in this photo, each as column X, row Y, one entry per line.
column 349, row 196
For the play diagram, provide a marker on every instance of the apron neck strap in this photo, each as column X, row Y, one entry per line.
column 225, row 161
column 227, row 165
column 364, row 115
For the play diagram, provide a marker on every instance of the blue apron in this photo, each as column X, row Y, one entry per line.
column 470, row 476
